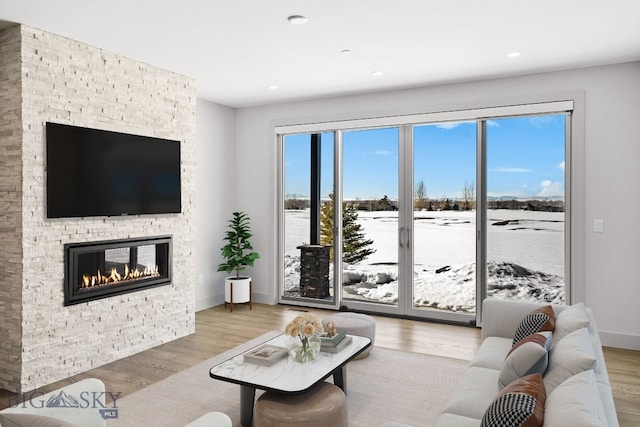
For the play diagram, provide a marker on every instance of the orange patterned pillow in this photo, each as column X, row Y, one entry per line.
column 539, row 320
column 520, row 404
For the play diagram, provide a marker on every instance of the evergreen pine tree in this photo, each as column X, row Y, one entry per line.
column 355, row 247
column 326, row 225
column 385, row 204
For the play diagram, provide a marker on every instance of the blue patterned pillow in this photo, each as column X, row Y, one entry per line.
column 529, row 356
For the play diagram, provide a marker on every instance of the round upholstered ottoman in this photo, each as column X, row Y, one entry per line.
column 324, row 405
column 354, row 324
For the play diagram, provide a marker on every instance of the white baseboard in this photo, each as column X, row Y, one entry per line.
column 613, row 339
column 208, row 302
column 215, row 300
column 269, row 299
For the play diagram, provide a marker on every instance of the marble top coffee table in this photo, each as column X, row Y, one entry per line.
column 286, row 376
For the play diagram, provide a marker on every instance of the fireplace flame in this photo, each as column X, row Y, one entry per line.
column 90, row 281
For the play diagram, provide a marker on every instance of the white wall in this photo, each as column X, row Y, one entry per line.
column 216, row 196
column 605, row 186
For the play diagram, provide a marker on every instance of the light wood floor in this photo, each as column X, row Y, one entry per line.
column 218, row 330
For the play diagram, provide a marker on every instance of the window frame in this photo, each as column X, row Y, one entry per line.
column 571, row 103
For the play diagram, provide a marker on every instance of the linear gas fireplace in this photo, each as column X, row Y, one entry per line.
column 95, row 270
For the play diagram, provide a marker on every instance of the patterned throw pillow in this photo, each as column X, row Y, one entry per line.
column 539, row 320
column 520, row 404
column 529, row 356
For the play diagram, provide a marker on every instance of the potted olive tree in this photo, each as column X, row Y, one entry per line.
column 238, row 254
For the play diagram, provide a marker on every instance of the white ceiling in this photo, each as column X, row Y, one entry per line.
column 237, row 48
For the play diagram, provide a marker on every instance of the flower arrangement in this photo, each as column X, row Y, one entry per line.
column 305, row 327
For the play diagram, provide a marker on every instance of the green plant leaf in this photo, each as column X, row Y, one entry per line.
column 238, row 252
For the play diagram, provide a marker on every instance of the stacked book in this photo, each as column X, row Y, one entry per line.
column 266, row 355
column 335, row 343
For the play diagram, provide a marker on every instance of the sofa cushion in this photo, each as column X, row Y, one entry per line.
column 492, row 352
column 571, row 355
column 570, row 319
column 519, row 404
column 529, row 356
column 474, row 393
column 576, row 402
column 453, row 420
column 539, row 320
column 29, row 420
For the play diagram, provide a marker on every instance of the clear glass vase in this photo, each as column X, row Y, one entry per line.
column 304, row 349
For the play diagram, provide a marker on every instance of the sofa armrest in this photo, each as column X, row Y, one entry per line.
column 212, row 419
column 500, row 318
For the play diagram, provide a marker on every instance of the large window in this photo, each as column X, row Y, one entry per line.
column 444, row 216
column 427, row 215
column 525, row 201
column 308, row 185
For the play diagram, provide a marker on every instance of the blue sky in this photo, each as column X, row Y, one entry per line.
column 525, row 158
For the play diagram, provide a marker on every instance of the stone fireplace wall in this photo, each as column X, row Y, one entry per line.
column 10, row 210
column 45, row 77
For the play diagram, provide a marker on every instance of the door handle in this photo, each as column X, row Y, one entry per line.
column 400, row 237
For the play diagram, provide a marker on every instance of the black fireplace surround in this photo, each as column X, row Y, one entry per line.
column 95, row 270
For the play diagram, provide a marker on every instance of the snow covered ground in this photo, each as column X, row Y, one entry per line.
column 525, row 252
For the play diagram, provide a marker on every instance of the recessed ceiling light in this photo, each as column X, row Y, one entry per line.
column 298, row 19
column 377, row 73
column 345, row 51
column 513, row 54
column 272, row 87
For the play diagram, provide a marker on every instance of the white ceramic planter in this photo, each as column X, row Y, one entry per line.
column 237, row 291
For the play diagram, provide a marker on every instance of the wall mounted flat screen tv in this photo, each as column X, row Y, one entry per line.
column 93, row 172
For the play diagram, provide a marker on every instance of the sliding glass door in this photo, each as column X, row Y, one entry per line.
column 428, row 217
column 444, row 219
column 526, row 208
column 307, row 188
column 370, row 218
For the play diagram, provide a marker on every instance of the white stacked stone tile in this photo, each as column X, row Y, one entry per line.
column 43, row 78
column 10, row 208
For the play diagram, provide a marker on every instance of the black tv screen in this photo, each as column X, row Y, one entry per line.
column 93, row 172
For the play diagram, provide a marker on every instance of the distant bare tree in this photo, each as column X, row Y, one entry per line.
column 421, row 200
column 294, row 203
column 468, row 196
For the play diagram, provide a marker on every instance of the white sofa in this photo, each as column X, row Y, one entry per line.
column 82, row 404
column 577, row 385
column 212, row 419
